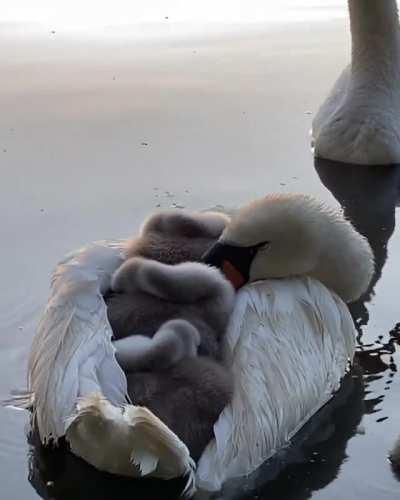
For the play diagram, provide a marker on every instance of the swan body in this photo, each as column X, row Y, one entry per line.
column 360, row 120
column 279, row 329
column 77, row 387
column 288, row 344
column 172, row 317
column 289, row 340
column 95, row 398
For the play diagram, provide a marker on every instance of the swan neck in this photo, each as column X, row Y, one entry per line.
column 375, row 34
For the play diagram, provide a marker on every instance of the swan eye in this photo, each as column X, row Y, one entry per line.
column 264, row 247
column 261, row 247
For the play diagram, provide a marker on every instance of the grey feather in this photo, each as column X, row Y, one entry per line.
column 175, row 340
column 164, row 311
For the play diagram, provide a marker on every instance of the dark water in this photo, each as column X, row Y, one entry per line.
column 94, row 137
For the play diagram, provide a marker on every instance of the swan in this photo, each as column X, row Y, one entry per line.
column 289, row 340
column 172, row 237
column 179, row 367
column 288, row 344
column 359, row 121
column 280, row 236
column 137, row 283
column 168, row 322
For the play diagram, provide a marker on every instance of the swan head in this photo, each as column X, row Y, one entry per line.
column 287, row 235
column 272, row 237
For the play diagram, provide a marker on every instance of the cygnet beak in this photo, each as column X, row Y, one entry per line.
column 234, row 261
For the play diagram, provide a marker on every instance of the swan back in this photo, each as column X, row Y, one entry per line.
column 78, row 389
column 288, row 345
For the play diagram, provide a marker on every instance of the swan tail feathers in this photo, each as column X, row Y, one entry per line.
column 129, row 441
column 145, row 461
column 171, row 450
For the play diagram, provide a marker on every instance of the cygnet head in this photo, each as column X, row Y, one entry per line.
column 178, row 339
column 286, row 235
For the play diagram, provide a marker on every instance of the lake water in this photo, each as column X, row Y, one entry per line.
column 100, row 126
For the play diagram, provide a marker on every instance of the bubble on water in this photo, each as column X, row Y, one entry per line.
column 177, row 205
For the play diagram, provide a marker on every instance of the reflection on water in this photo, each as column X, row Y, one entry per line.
column 316, row 453
column 368, row 196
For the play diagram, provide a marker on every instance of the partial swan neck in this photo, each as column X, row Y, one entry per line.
column 375, row 36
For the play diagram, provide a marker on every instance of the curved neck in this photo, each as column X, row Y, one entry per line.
column 375, row 36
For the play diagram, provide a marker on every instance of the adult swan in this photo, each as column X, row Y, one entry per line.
column 360, row 120
column 288, row 344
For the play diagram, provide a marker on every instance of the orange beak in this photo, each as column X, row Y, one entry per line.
column 232, row 274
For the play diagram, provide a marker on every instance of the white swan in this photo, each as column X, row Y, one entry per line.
column 360, row 120
column 289, row 344
column 289, row 341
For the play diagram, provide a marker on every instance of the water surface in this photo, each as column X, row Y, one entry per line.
column 99, row 129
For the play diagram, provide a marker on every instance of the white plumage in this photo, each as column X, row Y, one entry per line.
column 79, row 389
column 359, row 121
column 128, row 440
column 289, row 344
column 72, row 355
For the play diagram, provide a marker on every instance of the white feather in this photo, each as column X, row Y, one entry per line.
column 79, row 389
column 72, row 355
column 129, row 441
column 358, row 122
column 289, row 344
